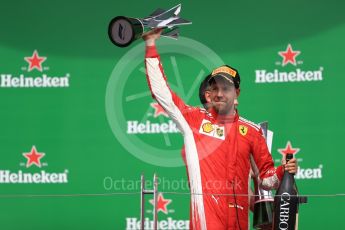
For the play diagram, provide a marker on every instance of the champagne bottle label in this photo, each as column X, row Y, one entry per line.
column 286, row 203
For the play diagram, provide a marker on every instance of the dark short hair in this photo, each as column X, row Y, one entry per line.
column 203, row 87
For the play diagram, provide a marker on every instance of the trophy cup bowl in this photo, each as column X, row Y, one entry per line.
column 122, row 30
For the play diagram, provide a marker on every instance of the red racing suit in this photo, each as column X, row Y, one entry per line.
column 218, row 152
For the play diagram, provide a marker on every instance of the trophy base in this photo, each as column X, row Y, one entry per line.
column 263, row 215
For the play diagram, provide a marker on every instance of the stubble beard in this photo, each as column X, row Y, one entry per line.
column 224, row 110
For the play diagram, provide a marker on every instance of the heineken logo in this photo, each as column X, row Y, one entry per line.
column 158, row 110
column 33, row 159
column 148, row 127
column 133, row 223
column 158, row 125
column 309, row 173
column 169, row 223
column 34, row 63
column 289, row 57
column 42, row 177
column 43, row 81
column 288, row 149
column 264, row 76
column 162, row 203
column 302, row 172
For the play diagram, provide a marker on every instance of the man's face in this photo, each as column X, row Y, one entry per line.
column 222, row 95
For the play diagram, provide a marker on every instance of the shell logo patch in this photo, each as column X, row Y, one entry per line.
column 207, row 127
column 212, row 130
column 243, row 130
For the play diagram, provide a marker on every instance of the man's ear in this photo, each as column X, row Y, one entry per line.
column 208, row 96
column 237, row 94
column 238, row 91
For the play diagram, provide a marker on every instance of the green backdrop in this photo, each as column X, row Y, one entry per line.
column 85, row 105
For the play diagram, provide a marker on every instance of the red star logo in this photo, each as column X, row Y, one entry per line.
column 158, row 109
column 288, row 149
column 35, row 61
column 289, row 55
column 161, row 203
column 33, row 157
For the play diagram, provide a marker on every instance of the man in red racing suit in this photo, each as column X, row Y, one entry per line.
column 218, row 150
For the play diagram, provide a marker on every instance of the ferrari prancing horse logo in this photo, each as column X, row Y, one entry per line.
column 243, row 130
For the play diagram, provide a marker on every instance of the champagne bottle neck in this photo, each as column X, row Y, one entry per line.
column 288, row 157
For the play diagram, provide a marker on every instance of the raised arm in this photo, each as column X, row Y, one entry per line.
column 160, row 90
column 179, row 113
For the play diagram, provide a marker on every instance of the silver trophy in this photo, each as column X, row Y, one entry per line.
column 123, row 31
column 263, row 205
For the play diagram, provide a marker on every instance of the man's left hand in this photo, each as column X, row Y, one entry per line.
column 291, row 166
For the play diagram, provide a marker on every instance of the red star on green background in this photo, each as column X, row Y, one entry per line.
column 33, row 157
column 161, row 203
column 289, row 55
column 158, row 110
column 35, row 61
column 288, row 149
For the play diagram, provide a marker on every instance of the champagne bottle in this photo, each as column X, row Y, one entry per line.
column 286, row 202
